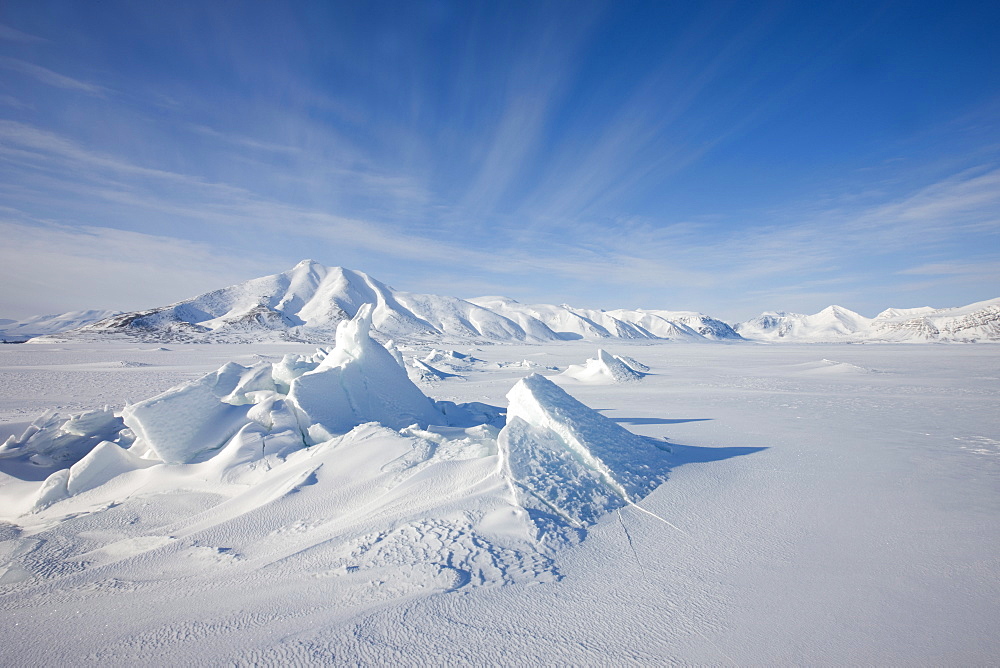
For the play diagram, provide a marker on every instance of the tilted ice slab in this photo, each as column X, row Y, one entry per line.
column 605, row 369
column 569, row 460
column 189, row 419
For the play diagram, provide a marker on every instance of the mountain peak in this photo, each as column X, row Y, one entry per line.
column 310, row 267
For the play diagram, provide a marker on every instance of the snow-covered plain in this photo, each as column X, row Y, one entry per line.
column 820, row 504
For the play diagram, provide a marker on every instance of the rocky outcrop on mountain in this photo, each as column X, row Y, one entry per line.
column 972, row 323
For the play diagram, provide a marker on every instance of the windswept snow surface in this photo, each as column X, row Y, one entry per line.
column 797, row 504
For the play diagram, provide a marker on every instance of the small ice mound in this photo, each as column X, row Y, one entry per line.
column 358, row 382
column 567, row 460
column 252, row 381
column 604, row 369
column 525, row 364
column 451, row 359
column 129, row 364
column 421, row 371
column 290, row 367
column 831, row 367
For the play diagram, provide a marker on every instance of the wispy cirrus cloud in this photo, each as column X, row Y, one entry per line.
column 796, row 258
column 13, row 102
column 952, row 269
column 64, row 166
column 962, row 203
column 50, row 77
column 247, row 142
column 58, row 168
column 938, row 275
column 12, row 35
column 56, row 267
column 533, row 89
column 800, row 259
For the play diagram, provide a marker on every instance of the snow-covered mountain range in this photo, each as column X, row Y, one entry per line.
column 976, row 322
column 307, row 302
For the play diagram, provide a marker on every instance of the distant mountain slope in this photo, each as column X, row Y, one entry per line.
column 14, row 330
column 577, row 323
column 976, row 322
column 307, row 302
column 671, row 324
column 972, row 323
column 832, row 323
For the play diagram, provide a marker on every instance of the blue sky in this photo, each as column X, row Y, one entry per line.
column 723, row 157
